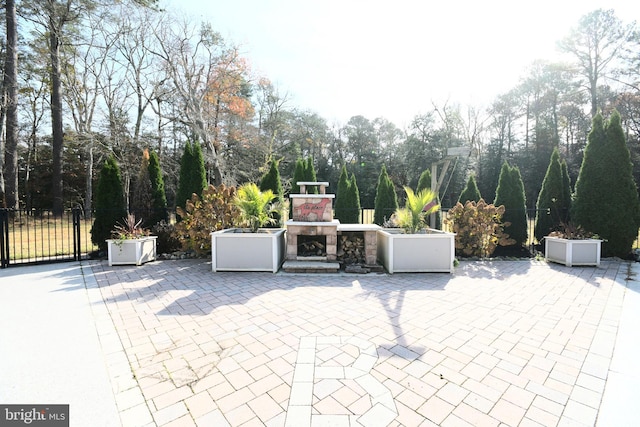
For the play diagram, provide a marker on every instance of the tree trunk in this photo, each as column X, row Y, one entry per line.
column 593, row 89
column 56, row 118
column 11, row 104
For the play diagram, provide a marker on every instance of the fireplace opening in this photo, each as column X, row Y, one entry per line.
column 312, row 246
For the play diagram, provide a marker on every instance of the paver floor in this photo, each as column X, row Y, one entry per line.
column 511, row 343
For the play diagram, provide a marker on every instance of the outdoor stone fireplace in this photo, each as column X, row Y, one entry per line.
column 312, row 224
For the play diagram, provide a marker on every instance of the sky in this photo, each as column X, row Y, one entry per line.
column 394, row 58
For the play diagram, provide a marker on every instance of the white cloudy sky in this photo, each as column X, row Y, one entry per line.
column 392, row 58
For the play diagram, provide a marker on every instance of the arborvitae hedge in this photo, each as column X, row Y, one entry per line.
column 310, row 174
column 183, row 193
column 606, row 197
column 554, row 200
column 470, row 192
column 298, row 176
column 109, row 204
column 424, row 181
column 510, row 193
column 347, row 201
column 193, row 177
column 386, row 201
column 199, row 176
column 271, row 181
column 353, row 202
column 341, row 203
column 158, row 196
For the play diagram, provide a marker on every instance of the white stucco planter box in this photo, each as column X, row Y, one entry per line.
column 237, row 249
column 429, row 252
column 572, row 252
column 131, row 251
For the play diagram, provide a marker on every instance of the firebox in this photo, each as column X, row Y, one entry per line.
column 312, row 246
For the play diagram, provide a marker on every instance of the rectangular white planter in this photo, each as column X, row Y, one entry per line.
column 132, row 251
column 431, row 252
column 235, row 249
column 572, row 252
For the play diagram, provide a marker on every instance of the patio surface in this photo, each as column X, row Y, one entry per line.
column 505, row 343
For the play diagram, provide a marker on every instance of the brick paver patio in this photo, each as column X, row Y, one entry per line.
column 512, row 343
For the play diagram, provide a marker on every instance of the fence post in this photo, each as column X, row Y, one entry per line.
column 4, row 238
column 77, row 244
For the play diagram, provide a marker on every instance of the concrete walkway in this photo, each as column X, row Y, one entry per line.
column 50, row 352
column 507, row 343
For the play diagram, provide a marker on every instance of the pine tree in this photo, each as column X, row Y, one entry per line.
column 110, row 204
column 606, row 197
column 386, row 201
column 470, row 192
column 554, row 199
column 342, row 195
column 510, row 193
column 158, row 197
column 271, row 181
column 353, row 198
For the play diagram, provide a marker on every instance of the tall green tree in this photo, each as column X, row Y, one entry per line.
column 424, row 182
column 606, row 196
column 271, row 181
column 341, row 203
column 386, row 201
column 298, row 176
column 353, row 198
column 110, row 204
column 470, row 192
column 554, row 199
column 158, row 195
column 192, row 173
column 510, row 193
column 310, row 174
column 309, row 170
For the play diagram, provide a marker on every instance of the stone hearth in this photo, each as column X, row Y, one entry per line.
column 300, row 228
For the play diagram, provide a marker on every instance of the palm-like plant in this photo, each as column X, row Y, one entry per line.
column 413, row 216
column 255, row 206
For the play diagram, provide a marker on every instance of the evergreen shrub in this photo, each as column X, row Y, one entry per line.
column 606, row 196
column 109, row 204
column 386, row 201
column 510, row 194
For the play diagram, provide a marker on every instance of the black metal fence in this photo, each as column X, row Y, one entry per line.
column 39, row 236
